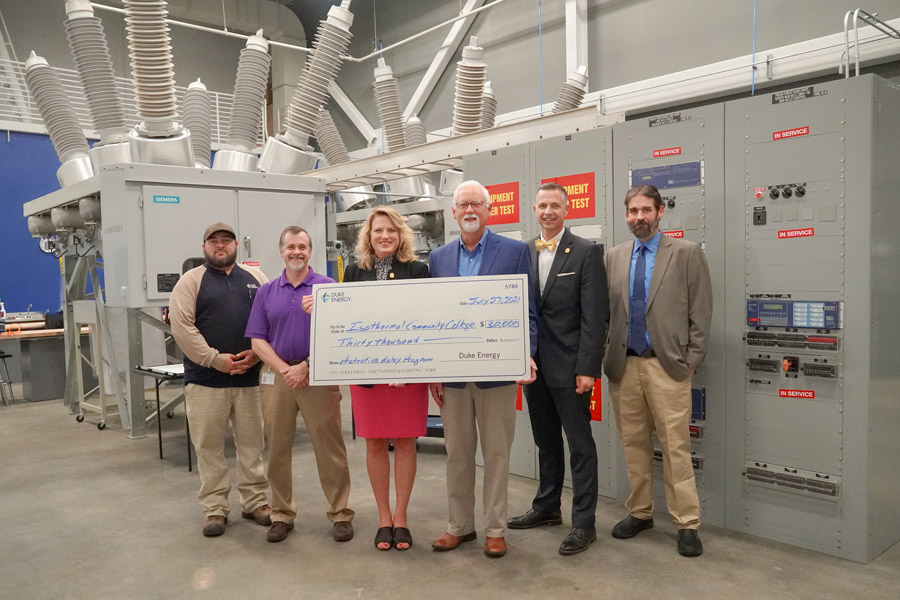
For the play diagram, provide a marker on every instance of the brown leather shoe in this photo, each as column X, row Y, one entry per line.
column 494, row 547
column 261, row 514
column 214, row 525
column 452, row 542
column 278, row 531
column 343, row 531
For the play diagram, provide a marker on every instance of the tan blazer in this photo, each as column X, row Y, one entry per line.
column 679, row 307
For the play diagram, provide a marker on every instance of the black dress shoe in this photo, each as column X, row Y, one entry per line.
column 533, row 519
column 579, row 540
column 689, row 543
column 630, row 527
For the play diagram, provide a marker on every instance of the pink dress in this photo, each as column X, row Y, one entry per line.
column 385, row 412
column 381, row 411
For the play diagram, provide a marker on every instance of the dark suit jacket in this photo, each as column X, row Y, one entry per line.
column 399, row 270
column 502, row 256
column 573, row 311
column 679, row 307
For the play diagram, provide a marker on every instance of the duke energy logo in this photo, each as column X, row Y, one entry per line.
column 334, row 297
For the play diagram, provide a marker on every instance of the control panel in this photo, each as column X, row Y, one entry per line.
column 798, row 314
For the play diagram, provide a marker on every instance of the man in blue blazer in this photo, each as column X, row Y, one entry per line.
column 490, row 405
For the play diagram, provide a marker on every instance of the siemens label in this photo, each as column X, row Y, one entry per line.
column 167, row 199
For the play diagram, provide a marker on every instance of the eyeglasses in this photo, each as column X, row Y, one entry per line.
column 464, row 206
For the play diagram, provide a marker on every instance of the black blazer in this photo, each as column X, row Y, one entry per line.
column 573, row 311
column 399, row 270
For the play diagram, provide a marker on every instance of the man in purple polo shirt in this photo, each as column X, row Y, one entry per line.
column 279, row 331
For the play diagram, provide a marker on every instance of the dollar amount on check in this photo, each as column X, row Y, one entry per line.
column 420, row 330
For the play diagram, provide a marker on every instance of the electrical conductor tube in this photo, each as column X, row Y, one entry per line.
column 387, row 101
column 290, row 152
column 572, row 92
column 59, row 117
column 198, row 119
column 470, row 76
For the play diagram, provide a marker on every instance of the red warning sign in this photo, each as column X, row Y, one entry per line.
column 504, row 203
column 789, row 133
column 794, row 233
column 251, row 263
column 674, row 234
column 666, row 152
column 797, row 393
column 580, row 190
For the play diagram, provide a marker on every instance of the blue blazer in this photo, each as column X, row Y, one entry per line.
column 502, row 256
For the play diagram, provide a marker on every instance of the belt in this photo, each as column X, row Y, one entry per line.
column 297, row 362
column 648, row 353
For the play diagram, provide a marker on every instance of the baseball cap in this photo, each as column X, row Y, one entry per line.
column 218, row 227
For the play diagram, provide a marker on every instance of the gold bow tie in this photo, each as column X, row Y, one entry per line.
column 548, row 245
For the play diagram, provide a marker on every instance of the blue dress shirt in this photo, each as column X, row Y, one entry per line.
column 470, row 262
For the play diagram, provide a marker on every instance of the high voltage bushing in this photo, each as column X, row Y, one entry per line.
column 59, row 117
column 470, row 76
column 415, row 132
column 488, row 106
column 572, row 91
column 247, row 107
column 158, row 139
column 197, row 107
column 90, row 53
column 290, row 152
column 387, row 101
column 335, row 152
column 330, row 140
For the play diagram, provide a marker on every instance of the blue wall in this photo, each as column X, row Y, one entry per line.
column 28, row 167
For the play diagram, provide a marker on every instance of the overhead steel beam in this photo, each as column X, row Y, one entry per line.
column 441, row 60
column 346, row 104
column 576, row 35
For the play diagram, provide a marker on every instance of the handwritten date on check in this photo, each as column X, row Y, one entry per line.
column 420, row 330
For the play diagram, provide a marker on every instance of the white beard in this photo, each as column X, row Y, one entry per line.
column 470, row 225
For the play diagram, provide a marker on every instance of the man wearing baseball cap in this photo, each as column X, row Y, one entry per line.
column 208, row 312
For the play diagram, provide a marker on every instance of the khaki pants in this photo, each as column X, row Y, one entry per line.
column 494, row 412
column 647, row 399
column 321, row 410
column 209, row 411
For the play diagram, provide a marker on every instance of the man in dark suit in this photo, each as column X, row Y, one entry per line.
column 660, row 301
column 573, row 312
column 490, row 405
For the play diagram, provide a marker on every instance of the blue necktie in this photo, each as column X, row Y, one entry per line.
column 638, row 338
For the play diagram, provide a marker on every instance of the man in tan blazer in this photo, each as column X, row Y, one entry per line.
column 660, row 302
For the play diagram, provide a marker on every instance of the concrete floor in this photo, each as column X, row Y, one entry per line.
column 91, row 514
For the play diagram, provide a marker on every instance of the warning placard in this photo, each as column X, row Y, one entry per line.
column 504, row 203
column 580, row 190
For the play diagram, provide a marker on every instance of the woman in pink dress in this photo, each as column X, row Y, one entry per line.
column 397, row 412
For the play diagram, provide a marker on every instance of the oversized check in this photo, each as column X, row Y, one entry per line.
column 420, row 330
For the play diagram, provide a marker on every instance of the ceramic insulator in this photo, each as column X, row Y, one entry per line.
column 249, row 94
column 572, row 92
column 56, row 110
column 470, row 76
column 322, row 66
column 330, row 140
column 198, row 120
column 150, row 49
column 387, row 101
column 488, row 106
column 95, row 70
column 415, row 132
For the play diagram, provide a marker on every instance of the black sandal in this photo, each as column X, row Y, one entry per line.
column 402, row 536
column 384, row 535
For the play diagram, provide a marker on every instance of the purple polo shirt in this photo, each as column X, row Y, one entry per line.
column 278, row 317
